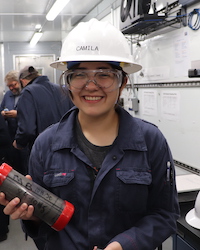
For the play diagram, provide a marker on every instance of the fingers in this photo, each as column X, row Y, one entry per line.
column 15, row 145
column 15, row 210
column 29, row 177
column 23, row 212
column 10, row 113
column 3, row 201
column 11, row 206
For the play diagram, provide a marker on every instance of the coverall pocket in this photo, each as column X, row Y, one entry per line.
column 57, row 179
column 132, row 190
column 60, row 183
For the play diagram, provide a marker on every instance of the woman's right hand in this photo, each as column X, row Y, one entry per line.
column 17, row 211
column 12, row 208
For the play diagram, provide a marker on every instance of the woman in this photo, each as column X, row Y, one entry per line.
column 110, row 166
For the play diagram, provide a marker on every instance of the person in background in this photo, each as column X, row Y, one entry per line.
column 117, row 170
column 10, row 99
column 9, row 112
column 41, row 104
column 5, row 156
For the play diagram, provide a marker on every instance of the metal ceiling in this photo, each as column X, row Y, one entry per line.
column 18, row 19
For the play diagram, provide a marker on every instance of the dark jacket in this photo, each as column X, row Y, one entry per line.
column 41, row 104
column 131, row 201
column 5, row 143
column 9, row 103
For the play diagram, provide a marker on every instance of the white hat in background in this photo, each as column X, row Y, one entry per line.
column 193, row 216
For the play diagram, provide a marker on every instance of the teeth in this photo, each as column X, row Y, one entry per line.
column 92, row 98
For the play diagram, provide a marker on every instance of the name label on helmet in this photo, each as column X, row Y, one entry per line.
column 87, row 47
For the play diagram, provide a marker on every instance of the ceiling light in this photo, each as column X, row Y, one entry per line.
column 56, row 9
column 38, row 26
column 35, row 38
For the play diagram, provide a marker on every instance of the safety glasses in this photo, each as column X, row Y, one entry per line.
column 106, row 79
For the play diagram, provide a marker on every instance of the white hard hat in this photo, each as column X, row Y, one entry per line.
column 193, row 216
column 96, row 41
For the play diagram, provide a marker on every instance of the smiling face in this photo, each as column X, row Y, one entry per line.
column 92, row 100
column 14, row 87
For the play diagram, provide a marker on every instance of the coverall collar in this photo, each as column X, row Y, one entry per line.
column 128, row 125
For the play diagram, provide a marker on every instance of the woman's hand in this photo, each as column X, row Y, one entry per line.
column 16, row 211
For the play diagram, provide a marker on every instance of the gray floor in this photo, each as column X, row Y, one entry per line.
column 16, row 239
column 168, row 245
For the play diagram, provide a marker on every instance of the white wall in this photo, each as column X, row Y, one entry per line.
column 174, row 108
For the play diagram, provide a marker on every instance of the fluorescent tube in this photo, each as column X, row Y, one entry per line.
column 35, row 38
column 57, row 7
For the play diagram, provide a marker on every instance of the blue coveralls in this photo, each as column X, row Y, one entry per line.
column 41, row 104
column 131, row 200
column 19, row 157
column 9, row 103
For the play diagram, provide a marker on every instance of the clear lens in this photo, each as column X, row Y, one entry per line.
column 107, row 79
